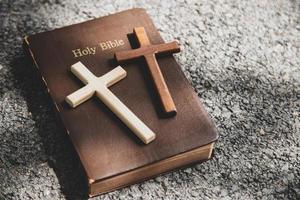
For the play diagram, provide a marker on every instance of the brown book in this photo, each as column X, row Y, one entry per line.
column 111, row 154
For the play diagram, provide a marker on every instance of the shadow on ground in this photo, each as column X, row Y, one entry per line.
column 60, row 154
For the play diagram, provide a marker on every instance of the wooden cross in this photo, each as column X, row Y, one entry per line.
column 148, row 51
column 99, row 85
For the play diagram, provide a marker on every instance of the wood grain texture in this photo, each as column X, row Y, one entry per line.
column 148, row 51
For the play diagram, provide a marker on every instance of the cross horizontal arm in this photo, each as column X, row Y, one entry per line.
column 113, row 76
column 166, row 48
column 83, row 94
column 80, row 96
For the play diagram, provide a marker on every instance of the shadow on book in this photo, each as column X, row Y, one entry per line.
column 142, row 67
column 60, row 153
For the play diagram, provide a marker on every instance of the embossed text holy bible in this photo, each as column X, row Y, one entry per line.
column 111, row 155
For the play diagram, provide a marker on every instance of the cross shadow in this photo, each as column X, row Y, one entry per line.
column 109, row 114
column 142, row 66
column 60, row 153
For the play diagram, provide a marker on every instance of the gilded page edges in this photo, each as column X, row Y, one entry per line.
column 211, row 150
column 55, row 104
column 36, row 65
column 31, row 53
column 26, row 40
column 91, row 180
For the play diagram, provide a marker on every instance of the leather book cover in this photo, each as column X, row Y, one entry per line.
column 108, row 150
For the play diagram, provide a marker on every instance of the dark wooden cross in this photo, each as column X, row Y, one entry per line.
column 148, row 51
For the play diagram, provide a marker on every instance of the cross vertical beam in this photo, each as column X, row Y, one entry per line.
column 148, row 51
column 99, row 86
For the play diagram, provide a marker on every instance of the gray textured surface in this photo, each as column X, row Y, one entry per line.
column 243, row 59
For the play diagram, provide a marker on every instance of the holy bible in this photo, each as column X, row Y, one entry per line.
column 110, row 153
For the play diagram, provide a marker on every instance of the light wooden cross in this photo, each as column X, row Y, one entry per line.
column 99, row 85
column 148, row 51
